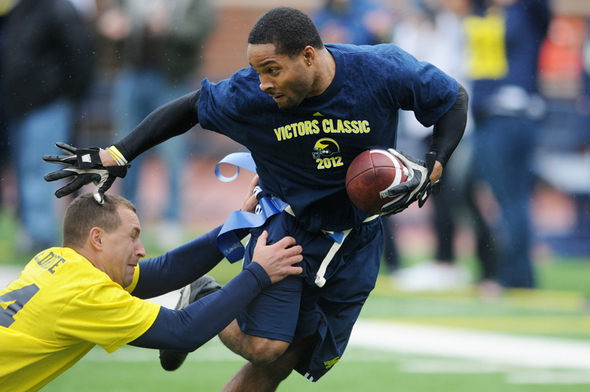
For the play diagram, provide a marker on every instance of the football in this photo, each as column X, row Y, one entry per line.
column 370, row 173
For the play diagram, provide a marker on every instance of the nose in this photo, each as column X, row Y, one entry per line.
column 265, row 84
column 140, row 250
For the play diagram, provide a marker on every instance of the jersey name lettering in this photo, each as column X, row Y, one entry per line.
column 49, row 261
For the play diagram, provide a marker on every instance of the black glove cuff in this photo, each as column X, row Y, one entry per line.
column 117, row 171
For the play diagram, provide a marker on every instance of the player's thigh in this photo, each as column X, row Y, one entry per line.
column 274, row 312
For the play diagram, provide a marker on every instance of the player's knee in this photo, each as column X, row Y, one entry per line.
column 261, row 351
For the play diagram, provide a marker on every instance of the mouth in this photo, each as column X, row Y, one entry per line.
column 276, row 97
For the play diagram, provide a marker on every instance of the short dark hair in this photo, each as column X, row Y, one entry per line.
column 289, row 29
column 84, row 213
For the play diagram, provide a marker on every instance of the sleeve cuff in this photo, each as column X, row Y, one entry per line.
column 260, row 274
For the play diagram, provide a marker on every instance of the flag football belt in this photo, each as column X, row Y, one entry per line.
column 230, row 244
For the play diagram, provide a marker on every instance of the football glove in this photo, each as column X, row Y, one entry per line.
column 85, row 166
column 417, row 187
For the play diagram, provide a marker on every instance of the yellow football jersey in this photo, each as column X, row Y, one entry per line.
column 59, row 308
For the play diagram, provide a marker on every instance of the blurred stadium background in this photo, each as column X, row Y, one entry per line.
column 526, row 340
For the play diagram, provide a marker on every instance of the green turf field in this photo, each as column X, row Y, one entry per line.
column 360, row 371
column 544, row 314
column 378, row 369
column 555, row 315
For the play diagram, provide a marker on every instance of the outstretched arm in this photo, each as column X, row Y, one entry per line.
column 94, row 165
column 178, row 267
column 189, row 328
column 185, row 264
column 169, row 120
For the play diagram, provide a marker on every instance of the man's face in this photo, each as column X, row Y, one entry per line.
column 287, row 80
column 123, row 248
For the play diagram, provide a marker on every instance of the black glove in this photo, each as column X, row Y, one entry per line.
column 417, row 187
column 86, row 167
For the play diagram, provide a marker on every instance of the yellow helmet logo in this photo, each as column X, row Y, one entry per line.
column 325, row 147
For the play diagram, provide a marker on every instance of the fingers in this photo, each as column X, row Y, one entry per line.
column 402, row 188
column 409, row 161
column 58, row 175
column 253, row 184
column 400, row 155
column 103, row 186
column 261, row 243
column 285, row 242
column 294, row 252
column 72, row 187
column 77, row 183
column 290, row 249
column 98, row 196
column 262, row 238
column 250, row 202
column 293, row 270
column 70, row 150
column 61, row 159
column 278, row 259
column 423, row 196
column 52, row 158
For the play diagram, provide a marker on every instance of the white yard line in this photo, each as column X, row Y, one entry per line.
column 8, row 273
column 489, row 347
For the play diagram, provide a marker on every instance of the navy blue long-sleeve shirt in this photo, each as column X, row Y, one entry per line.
column 189, row 328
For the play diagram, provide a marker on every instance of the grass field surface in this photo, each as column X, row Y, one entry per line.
column 383, row 355
column 361, row 370
column 525, row 341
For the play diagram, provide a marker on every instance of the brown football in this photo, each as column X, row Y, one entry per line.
column 370, row 173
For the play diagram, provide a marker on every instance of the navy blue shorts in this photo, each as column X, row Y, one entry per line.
column 296, row 307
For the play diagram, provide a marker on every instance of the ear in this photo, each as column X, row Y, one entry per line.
column 95, row 238
column 309, row 54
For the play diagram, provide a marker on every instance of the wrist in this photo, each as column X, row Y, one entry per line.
column 116, row 156
column 436, row 172
column 106, row 159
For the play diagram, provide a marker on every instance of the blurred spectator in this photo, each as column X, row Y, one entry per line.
column 434, row 33
column 359, row 22
column 161, row 45
column 585, row 96
column 47, row 62
column 586, row 68
column 4, row 150
column 504, row 39
column 88, row 8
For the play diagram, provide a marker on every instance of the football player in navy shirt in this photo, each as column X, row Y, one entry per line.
column 305, row 110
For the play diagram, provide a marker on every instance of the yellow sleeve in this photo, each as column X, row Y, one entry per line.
column 107, row 316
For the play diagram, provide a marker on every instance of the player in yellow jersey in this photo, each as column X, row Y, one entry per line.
column 90, row 292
